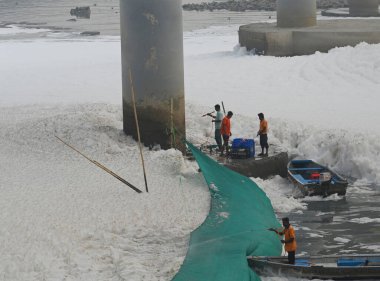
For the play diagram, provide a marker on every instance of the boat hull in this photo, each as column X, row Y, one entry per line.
column 277, row 266
column 339, row 188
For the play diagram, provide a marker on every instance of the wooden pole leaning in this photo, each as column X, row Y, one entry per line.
column 172, row 132
column 137, row 128
column 102, row 167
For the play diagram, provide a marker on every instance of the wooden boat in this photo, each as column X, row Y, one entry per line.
column 312, row 178
column 349, row 267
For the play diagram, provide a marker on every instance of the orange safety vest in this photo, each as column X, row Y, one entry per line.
column 263, row 127
column 225, row 129
column 289, row 233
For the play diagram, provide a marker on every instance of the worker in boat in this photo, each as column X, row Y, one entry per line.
column 217, row 119
column 263, row 133
column 225, row 130
column 289, row 239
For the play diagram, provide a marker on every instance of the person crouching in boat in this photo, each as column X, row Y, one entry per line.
column 289, row 240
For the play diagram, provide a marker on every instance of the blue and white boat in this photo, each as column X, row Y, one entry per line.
column 312, row 178
column 348, row 267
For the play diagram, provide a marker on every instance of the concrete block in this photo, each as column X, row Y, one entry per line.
column 328, row 34
column 306, row 43
column 280, row 43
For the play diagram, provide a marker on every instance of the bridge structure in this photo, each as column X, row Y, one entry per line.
column 297, row 31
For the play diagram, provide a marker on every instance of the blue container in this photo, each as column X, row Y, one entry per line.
column 243, row 148
column 351, row 261
column 302, row 262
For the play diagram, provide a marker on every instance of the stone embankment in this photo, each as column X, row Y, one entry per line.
column 247, row 5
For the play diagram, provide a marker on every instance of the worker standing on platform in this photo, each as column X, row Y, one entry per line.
column 289, row 239
column 263, row 133
column 225, row 130
column 218, row 123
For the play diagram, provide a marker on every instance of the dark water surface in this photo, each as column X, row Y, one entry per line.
column 346, row 225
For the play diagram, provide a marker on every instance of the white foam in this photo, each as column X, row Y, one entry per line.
column 280, row 193
column 341, row 240
column 60, row 213
column 14, row 29
column 315, row 235
column 333, row 197
column 364, row 220
column 62, row 216
column 375, row 248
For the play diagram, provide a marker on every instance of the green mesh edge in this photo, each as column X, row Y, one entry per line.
column 235, row 227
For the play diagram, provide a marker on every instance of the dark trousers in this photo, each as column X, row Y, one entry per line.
column 218, row 138
column 291, row 257
column 225, row 143
column 264, row 141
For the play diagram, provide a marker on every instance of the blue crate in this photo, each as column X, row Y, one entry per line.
column 247, row 144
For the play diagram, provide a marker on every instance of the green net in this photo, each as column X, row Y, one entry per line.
column 235, row 227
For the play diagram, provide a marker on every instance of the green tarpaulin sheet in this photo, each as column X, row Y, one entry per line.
column 235, row 227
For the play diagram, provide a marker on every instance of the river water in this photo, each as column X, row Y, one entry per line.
column 105, row 15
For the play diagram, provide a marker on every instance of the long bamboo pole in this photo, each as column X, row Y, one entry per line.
column 137, row 128
column 102, row 167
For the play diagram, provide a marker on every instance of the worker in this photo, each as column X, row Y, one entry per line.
column 289, row 239
column 225, row 130
column 217, row 119
column 263, row 133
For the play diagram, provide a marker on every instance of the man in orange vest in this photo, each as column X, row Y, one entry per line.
column 263, row 133
column 289, row 239
column 225, row 130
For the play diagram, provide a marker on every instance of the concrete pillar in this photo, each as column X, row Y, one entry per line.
column 296, row 13
column 363, row 8
column 152, row 48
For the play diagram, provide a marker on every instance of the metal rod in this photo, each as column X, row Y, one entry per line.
column 137, row 127
column 102, row 167
column 208, row 114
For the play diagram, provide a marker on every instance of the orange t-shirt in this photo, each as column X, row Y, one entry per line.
column 263, row 126
column 225, row 129
column 289, row 233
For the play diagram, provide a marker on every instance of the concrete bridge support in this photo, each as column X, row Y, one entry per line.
column 152, row 49
column 363, row 8
column 296, row 13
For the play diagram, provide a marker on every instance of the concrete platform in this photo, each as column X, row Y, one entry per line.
column 258, row 167
column 268, row 39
